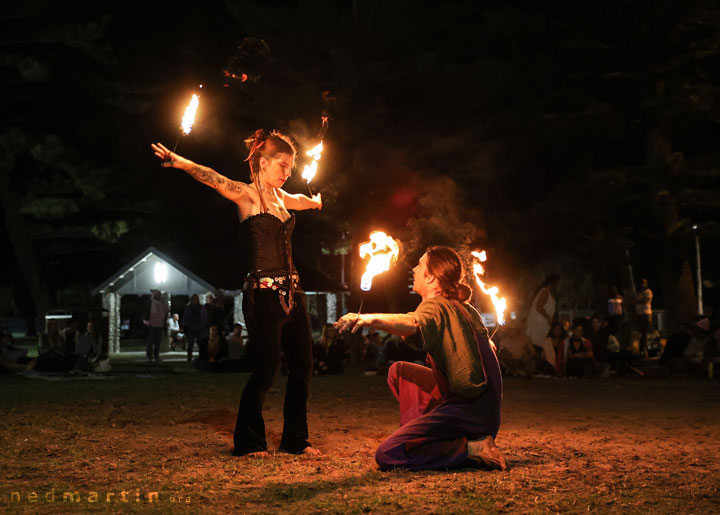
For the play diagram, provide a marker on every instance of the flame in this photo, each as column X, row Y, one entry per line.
column 309, row 171
column 189, row 117
column 492, row 291
column 383, row 252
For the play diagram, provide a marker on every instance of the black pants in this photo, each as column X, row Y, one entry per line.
column 644, row 323
column 192, row 336
column 270, row 329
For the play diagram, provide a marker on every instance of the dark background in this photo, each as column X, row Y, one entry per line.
column 570, row 137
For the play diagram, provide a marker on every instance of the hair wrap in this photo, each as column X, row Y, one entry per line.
column 446, row 266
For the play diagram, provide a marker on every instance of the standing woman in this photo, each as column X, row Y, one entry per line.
column 274, row 311
column 540, row 316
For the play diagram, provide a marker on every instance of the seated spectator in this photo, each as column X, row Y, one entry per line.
column 516, row 351
column 236, row 342
column 53, row 339
column 213, row 343
column 337, row 356
column 174, row 334
column 12, row 358
column 712, row 348
column 89, row 343
column 371, row 352
column 88, row 348
column 599, row 337
column 556, row 338
column 578, row 353
column 693, row 359
column 329, row 352
column 70, row 334
column 237, row 359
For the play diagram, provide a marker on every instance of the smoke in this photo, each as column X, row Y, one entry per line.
column 443, row 217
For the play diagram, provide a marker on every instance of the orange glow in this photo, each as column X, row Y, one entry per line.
column 310, row 170
column 189, row 117
column 500, row 304
column 383, row 252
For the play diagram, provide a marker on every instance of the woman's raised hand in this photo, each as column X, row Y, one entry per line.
column 317, row 199
column 169, row 159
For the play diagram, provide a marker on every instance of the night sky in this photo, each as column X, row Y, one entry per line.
column 561, row 137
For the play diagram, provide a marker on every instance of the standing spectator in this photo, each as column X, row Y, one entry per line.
column 217, row 317
column 578, row 353
column 615, row 310
column 194, row 322
column 157, row 311
column 643, row 307
column 204, row 341
column 542, row 313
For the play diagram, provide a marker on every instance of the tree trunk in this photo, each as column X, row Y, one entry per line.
column 28, row 261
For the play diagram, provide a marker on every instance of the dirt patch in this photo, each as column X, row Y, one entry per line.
column 621, row 445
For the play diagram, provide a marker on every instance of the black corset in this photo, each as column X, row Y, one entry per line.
column 266, row 239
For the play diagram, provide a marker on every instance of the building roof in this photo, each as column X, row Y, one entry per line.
column 153, row 269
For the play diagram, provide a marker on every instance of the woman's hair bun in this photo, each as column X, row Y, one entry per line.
column 463, row 292
column 258, row 137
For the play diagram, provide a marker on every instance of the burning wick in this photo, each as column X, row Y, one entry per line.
column 383, row 252
column 310, row 170
column 491, row 291
column 188, row 118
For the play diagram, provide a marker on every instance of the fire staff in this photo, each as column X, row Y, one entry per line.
column 449, row 413
column 273, row 306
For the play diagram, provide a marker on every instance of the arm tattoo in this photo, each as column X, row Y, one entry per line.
column 214, row 180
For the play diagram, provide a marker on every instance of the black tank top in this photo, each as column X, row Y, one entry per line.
column 267, row 241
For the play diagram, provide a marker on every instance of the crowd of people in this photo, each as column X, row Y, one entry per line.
column 59, row 350
column 614, row 342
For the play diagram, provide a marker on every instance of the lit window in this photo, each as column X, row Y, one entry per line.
column 161, row 272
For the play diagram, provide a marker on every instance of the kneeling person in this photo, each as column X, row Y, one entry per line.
column 450, row 413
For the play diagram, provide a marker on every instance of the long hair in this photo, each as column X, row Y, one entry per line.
column 445, row 265
column 269, row 146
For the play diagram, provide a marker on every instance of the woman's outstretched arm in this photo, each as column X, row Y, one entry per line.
column 298, row 202
column 233, row 190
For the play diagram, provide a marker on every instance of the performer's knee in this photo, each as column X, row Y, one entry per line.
column 382, row 455
column 393, row 375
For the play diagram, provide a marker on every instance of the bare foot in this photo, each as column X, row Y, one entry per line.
column 311, row 451
column 486, row 452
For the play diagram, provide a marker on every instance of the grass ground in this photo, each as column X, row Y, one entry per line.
column 625, row 445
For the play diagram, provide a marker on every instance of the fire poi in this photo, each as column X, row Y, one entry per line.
column 382, row 252
column 188, row 118
column 500, row 304
column 309, row 171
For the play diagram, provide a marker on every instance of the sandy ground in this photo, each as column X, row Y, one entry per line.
column 625, row 445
